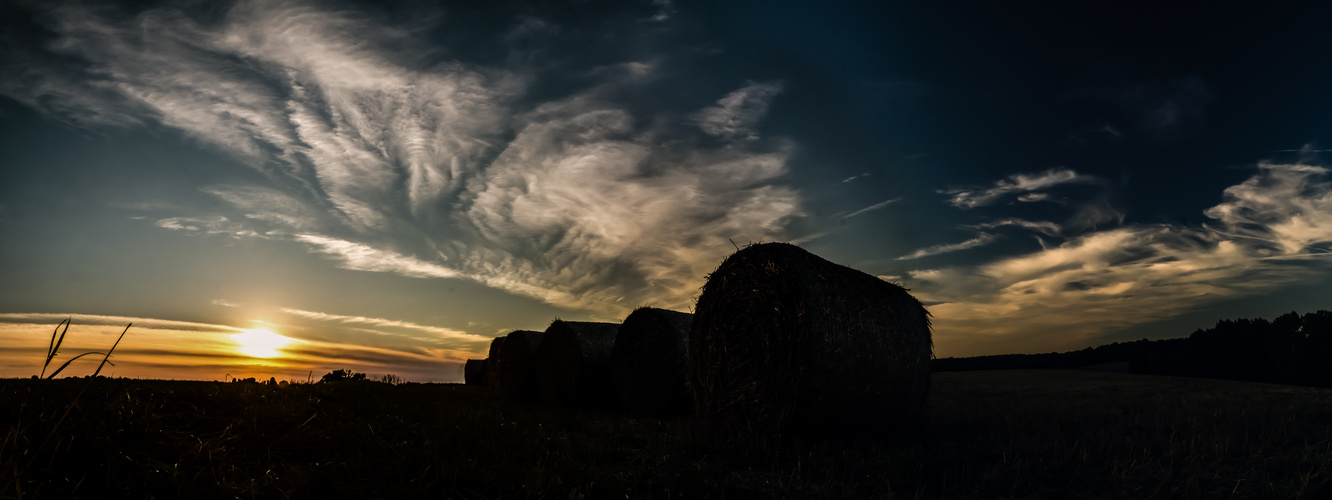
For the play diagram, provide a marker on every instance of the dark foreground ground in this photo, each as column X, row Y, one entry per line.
column 1003, row 434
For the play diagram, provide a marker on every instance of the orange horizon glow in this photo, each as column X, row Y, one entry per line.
column 173, row 350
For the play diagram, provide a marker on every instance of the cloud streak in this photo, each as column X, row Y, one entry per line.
column 387, row 323
column 1267, row 232
column 980, row 240
column 359, row 257
column 737, row 114
column 871, row 208
column 1027, row 188
column 1044, row 227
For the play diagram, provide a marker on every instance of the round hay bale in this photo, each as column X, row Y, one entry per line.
column 783, row 340
column 573, row 363
column 474, row 372
column 648, row 362
column 492, row 357
column 513, row 377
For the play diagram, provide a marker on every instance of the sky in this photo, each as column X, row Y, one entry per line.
column 284, row 188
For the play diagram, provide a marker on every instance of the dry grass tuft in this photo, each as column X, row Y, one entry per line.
column 783, row 340
column 648, row 362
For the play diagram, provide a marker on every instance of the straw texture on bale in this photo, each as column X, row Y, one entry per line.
column 648, row 362
column 783, row 340
column 474, row 372
column 573, row 364
column 513, row 376
column 492, row 361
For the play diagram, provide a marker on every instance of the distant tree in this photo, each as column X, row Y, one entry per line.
column 390, row 379
column 340, row 375
column 1316, row 329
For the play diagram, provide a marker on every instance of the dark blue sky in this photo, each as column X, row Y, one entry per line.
column 395, row 186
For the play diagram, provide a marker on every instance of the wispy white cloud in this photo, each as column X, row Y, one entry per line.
column 582, row 204
column 104, row 320
column 149, row 206
column 224, row 303
column 980, row 240
column 214, row 224
column 383, row 161
column 1268, row 232
column 809, row 237
column 1044, row 227
column 872, row 208
column 735, row 116
column 360, row 257
column 1290, row 205
column 289, row 87
column 854, row 177
column 387, row 323
column 280, row 209
column 1028, row 187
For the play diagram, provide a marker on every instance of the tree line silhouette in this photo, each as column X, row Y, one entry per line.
column 1291, row 349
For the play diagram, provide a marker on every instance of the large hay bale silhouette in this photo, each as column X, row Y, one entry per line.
column 492, row 360
column 648, row 362
column 513, row 377
column 783, row 340
column 474, row 372
column 573, row 363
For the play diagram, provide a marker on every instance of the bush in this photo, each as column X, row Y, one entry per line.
column 341, row 375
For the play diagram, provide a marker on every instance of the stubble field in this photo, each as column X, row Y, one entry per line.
column 997, row 434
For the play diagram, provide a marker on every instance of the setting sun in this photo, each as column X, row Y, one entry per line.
column 260, row 343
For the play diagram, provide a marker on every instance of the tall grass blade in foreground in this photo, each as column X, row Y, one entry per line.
column 71, row 360
column 58, row 337
column 113, row 348
column 54, row 347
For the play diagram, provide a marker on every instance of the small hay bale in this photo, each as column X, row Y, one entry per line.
column 513, row 377
column 783, row 340
column 474, row 372
column 573, row 363
column 648, row 362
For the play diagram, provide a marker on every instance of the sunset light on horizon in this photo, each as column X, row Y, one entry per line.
column 286, row 188
column 261, row 343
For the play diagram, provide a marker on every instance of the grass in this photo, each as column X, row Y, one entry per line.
column 53, row 349
column 1011, row 434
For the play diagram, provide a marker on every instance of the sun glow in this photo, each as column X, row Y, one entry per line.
column 260, row 343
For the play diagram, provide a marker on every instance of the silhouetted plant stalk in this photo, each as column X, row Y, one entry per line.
column 58, row 337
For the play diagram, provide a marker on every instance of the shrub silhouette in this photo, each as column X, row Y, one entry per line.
column 341, row 375
column 1291, row 349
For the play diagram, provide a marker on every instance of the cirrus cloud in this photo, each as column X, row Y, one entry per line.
column 381, row 160
column 1269, row 231
column 1027, row 187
